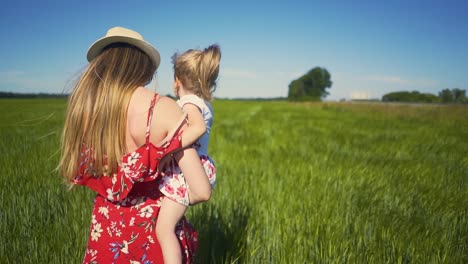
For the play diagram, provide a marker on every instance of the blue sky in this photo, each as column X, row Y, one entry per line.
column 369, row 47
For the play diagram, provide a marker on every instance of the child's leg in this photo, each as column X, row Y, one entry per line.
column 169, row 215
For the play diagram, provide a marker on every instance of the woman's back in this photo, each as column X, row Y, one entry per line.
column 131, row 198
column 166, row 117
column 112, row 143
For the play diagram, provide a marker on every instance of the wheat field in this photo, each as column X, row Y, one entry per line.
column 297, row 183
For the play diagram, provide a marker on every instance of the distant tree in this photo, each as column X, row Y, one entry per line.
column 446, row 96
column 459, row 95
column 455, row 95
column 171, row 96
column 311, row 86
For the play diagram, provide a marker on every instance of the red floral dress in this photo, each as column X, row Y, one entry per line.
column 127, row 204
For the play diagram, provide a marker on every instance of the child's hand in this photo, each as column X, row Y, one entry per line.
column 165, row 163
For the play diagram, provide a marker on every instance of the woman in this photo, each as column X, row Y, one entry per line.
column 115, row 134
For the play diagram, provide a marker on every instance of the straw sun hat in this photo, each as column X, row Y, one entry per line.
column 123, row 35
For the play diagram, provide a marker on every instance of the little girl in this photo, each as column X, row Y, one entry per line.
column 195, row 74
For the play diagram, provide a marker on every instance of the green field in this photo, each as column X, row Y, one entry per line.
column 297, row 183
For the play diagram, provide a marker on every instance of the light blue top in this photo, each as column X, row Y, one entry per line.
column 207, row 112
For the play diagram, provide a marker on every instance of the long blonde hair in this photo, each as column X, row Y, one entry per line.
column 198, row 70
column 96, row 116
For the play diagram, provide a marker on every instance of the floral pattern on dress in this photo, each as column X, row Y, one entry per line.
column 174, row 186
column 127, row 205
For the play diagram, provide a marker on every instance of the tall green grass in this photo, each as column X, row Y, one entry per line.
column 297, row 183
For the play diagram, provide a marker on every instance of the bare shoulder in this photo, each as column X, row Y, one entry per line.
column 167, row 113
column 167, row 102
column 137, row 113
column 142, row 95
column 139, row 105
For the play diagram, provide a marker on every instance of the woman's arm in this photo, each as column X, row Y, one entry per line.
column 189, row 163
column 196, row 127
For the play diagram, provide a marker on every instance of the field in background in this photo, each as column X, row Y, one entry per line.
column 297, row 183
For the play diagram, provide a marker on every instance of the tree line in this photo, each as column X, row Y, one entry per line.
column 313, row 86
column 31, row 95
column 455, row 95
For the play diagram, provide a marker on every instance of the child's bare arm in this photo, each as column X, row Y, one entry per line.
column 196, row 127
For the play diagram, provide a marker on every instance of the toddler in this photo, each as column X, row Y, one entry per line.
column 195, row 74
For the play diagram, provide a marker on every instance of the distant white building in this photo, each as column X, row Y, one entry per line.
column 360, row 95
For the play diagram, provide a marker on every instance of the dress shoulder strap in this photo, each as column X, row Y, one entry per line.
column 150, row 116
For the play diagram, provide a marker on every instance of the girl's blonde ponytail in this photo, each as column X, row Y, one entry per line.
column 198, row 70
column 208, row 70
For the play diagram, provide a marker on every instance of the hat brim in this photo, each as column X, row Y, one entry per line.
column 96, row 48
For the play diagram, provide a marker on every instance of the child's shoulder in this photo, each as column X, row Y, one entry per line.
column 192, row 99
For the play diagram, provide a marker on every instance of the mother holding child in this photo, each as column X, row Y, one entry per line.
column 117, row 136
